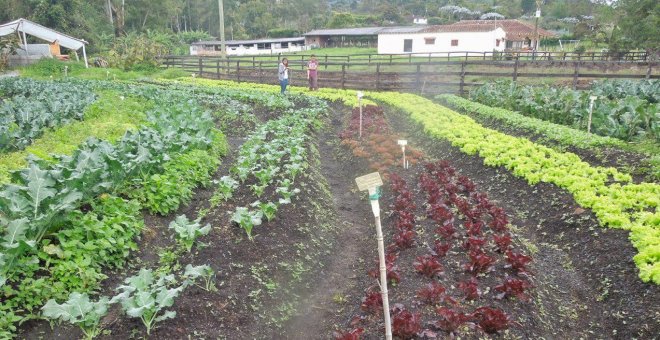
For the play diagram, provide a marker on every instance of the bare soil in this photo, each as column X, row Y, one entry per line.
column 304, row 274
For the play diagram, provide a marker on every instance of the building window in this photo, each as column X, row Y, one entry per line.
column 497, row 42
column 429, row 41
column 454, row 42
column 407, row 45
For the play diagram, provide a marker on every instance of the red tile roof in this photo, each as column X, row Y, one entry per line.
column 460, row 28
column 515, row 29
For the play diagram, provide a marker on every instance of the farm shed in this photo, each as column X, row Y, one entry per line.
column 519, row 35
column 249, row 47
column 340, row 37
column 442, row 38
column 24, row 27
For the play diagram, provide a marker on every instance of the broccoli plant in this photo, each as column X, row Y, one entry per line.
column 247, row 219
column 147, row 297
column 204, row 272
column 268, row 209
column 226, row 187
column 187, row 231
column 286, row 193
column 79, row 311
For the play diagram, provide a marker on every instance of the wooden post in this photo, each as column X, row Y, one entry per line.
column 576, row 74
column 409, row 58
column 648, row 71
column 201, row 66
column 377, row 76
column 390, row 59
column 343, row 76
column 370, row 58
column 238, row 70
column 418, row 77
column 261, row 73
column 326, row 62
column 429, row 57
column 217, row 68
column 253, row 62
column 515, row 70
column 461, row 91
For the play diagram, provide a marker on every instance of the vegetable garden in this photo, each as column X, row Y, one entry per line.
column 193, row 208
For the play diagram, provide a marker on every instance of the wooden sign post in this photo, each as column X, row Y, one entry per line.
column 372, row 182
column 359, row 96
column 403, row 144
column 592, row 99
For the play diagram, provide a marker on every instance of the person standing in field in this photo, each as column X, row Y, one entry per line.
column 283, row 74
column 312, row 73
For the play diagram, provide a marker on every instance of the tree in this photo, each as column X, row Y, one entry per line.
column 638, row 26
column 341, row 20
column 528, row 6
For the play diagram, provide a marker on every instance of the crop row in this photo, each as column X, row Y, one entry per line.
column 560, row 133
column 34, row 106
column 379, row 143
column 108, row 118
column 648, row 90
column 268, row 163
column 469, row 258
column 346, row 97
column 626, row 118
column 616, row 201
column 50, row 247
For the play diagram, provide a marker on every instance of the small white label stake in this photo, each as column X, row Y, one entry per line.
column 592, row 99
column 403, row 144
column 359, row 96
column 372, row 182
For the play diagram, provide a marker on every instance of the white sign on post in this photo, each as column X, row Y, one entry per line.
column 403, row 144
column 360, row 95
column 592, row 99
column 372, row 182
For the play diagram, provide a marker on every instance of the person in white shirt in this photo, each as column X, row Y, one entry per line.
column 283, row 74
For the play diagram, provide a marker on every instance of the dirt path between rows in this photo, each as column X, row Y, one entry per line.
column 323, row 309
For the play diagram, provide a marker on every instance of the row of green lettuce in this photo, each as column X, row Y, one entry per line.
column 610, row 194
column 30, row 107
column 629, row 116
column 51, row 247
column 108, row 118
column 563, row 135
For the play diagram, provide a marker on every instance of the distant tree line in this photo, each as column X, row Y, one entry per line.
column 622, row 24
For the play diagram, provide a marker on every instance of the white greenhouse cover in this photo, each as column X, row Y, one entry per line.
column 28, row 27
column 45, row 33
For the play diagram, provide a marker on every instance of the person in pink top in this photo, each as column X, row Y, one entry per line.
column 312, row 73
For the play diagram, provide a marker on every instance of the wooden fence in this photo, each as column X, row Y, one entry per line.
column 428, row 77
column 460, row 56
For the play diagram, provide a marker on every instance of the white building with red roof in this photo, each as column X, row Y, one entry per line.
column 470, row 36
column 442, row 39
